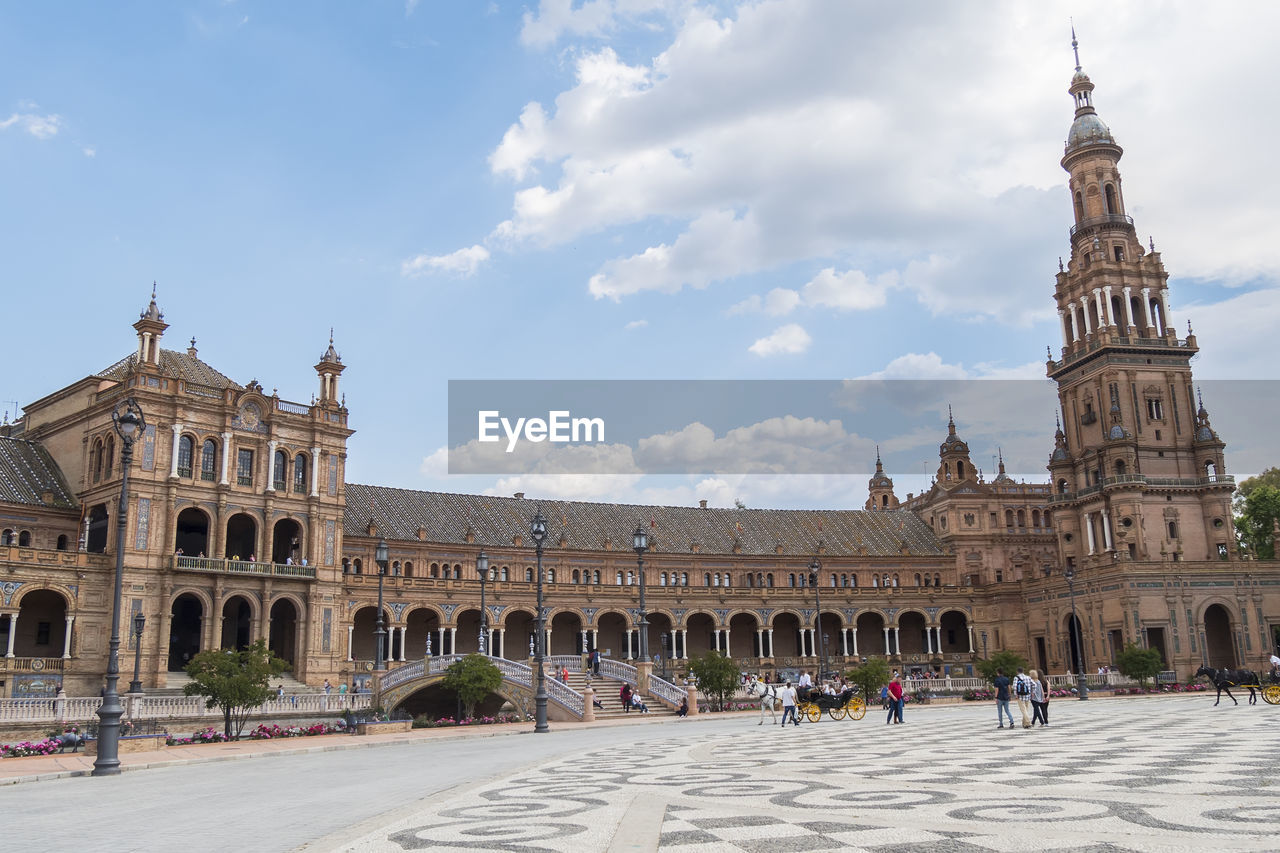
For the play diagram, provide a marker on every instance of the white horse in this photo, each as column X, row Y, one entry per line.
column 768, row 696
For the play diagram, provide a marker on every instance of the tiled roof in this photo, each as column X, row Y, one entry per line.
column 175, row 365
column 27, row 471
column 494, row 521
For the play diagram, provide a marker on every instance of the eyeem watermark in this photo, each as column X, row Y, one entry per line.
column 559, row 427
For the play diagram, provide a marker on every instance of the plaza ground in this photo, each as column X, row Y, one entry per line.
column 1140, row 774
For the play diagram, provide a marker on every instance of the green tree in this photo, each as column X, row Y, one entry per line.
column 718, row 677
column 472, row 678
column 1257, row 515
column 1269, row 477
column 235, row 681
column 870, row 676
column 1137, row 662
column 1008, row 662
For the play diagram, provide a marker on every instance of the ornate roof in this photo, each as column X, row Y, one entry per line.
column 27, row 472
column 175, row 365
column 495, row 522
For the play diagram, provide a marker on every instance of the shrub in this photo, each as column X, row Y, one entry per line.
column 20, row 750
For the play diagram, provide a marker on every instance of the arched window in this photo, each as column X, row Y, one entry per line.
column 853, row 580
column 1022, row 518
column 95, row 460
column 1112, row 208
column 186, row 449
column 895, row 580
column 1079, row 207
column 62, row 542
column 619, row 578
column 208, row 460
column 577, row 578
column 1008, row 518
column 300, row 473
column 885, row 581
column 727, row 582
column 457, row 571
column 706, row 579
column 769, row 580
column 791, row 579
column 282, row 465
column 1048, row 518
column 1173, row 530
column 917, row 579
column 435, row 570
column 395, row 569
column 884, row 501
column 684, row 578
column 109, row 452
column 551, row 575
column 1035, row 518
column 24, row 539
column 751, row 580
column 346, row 566
column 595, row 577
column 662, row 579
column 875, row 581
column 528, row 574
column 937, row 580
column 959, row 470
column 408, row 569
column 357, row 566
column 506, row 575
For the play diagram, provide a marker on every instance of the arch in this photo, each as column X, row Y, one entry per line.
column 520, row 626
column 744, row 641
column 1079, row 205
column 96, row 542
column 661, row 629
column 1219, row 648
column 955, row 632
column 566, row 633
column 357, row 566
column 282, row 641
column 1074, row 638
column 408, row 568
column 109, row 456
column 286, row 541
column 1022, row 518
column 300, row 473
column 869, row 632
column 186, row 623
column 420, row 623
column 62, row 542
column 24, row 538
column 191, row 536
column 42, row 622
column 1113, row 206
column 242, row 537
column 95, row 459
column 209, row 460
column 364, row 636
column 237, row 623
column 700, row 628
column 186, row 455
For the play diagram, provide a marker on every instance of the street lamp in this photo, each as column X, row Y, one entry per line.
column 538, row 532
column 985, row 656
column 640, row 542
column 129, row 424
column 814, row 569
column 1082, row 681
column 139, row 622
column 482, row 569
column 380, row 556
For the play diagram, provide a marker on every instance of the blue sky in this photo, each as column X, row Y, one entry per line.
column 630, row 189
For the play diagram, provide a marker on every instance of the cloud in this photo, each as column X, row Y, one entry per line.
column 409, row 6
column 89, row 151
column 785, row 340
column 847, row 291
column 39, row 126
column 593, row 18
column 463, row 262
column 930, row 365
column 636, row 324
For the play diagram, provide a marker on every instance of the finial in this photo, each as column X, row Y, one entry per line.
column 950, row 419
column 1189, row 332
column 153, row 290
column 193, row 341
column 1075, row 45
column 1057, row 420
column 1048, row 352
column 331, row 334
column 1200, row 396
column 1151, row 241
column 1061, row 268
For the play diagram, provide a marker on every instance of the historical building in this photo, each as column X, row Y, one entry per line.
column 240, row 524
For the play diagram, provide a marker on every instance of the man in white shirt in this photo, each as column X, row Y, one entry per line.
column 1022, row 691
column 787, row 696
column 805, row 680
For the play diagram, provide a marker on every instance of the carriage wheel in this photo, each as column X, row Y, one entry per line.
column 813, row 712
column 836, row 713
column 856, row 709
column 1271, row 694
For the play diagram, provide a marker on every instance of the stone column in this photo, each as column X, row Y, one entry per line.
column 897, row 644
column 760, row 641
column 13, row 633
column 727, row 645
column 928, row 640
column 844, row 643
column 1146, row 306
column 271, row 465
column 315, row 472
column 1164, row 310
column 351, row 631
column 854, row 632
column 1106, row 297
column 684, row 643
column 1106, row 531
column 1066, row 330
column 1084, row 312
column 173, row 456
column 888, row 649
column 970, row 628
column 440, row 641
column 1128, row 309
column 1097, row 301
column 404, row 636
column 937, row 646
column 226, row 458
column 588, row 709
column 66, row 640
column 1088, row 526
column 595, row 639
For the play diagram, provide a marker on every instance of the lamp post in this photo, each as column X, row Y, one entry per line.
column 985, row 656
column 815, row 568
column 139, row 622
column 1082, row 681
column 380, row 556
column 129, row 424
column 538, row 532
column 640, row 542
column 482, row 569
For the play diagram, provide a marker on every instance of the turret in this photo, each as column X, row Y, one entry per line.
column 880, row 487
column 329, row 369
column 150, row 328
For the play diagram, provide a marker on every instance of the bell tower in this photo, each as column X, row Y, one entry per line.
column 150, row 328
column 1132, row 476
column 329, row 369
column 880, row 487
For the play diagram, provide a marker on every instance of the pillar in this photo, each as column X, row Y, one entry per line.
column 351, row 632
column 937, row 646
column 1164, row 310
column 173, row 455
column 1106, row 298
column 727, row 645
column 928, row 640
column 66, row 639
column 1106, row 531
column 1128, row 309
column 1097, row 301
column 760, row 642
column 1084, row 312
column 970, row 629
column 1146, row 306
column 595, row 639
column 440, row 641
column 684, row 643
column 1066, row 329
column 854, row 632
column 897, row 645
column 502, row 642
column 271, row 465
column 13, row 633
column 315, row 475
column 1088, row 526
column 888, row 649
column 226, row 459
column 404, row 636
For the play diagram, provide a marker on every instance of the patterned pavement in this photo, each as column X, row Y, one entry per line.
column 1142, row 774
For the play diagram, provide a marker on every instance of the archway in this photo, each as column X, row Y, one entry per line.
column 286, row 541
column 612, row 639
column 97, row 540
column 192, row 536
column 284, row 630
column 518, row 639
column 744, row 637
column 1074, row 638
column 468, row 637
column 955, row 633
column 242, row 537
column 1219, row 648
column 419, row 624
column 185, row 620
column 237, row 623
column 869, row 635
column 363, row 636
column 827, row 637
column 786, row 636
column 566, row 634
column 660, row 627
column 701, row 633
column 42, row 619
column 911, row 639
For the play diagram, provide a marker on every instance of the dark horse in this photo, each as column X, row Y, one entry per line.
column 1225, row 679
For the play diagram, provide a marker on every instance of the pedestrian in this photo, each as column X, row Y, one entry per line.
column 683, row 710
column 884, row 696
column 564, row 675
column 595, row 662
column 624, row 695
column 638, row 705
column 787, row 696
column 1001, row 684
column 327, row 687
column 1044, row 701
column 1022, row 690
column 279, row 691
column 1037, row 698
column 896, row 700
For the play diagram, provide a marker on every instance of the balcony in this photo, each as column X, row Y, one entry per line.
column 1146, row 482
column 1106, row 222
column 242, row 567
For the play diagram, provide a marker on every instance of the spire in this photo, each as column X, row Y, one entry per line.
column 879, row 466
column 951, row 421
column 150, row 328
column 329, row 370
column 1001, row 476
column 1075, row 45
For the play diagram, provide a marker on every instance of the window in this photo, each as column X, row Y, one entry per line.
column 505, row 573
column 62, row 542
column 726, row 579
column 791, row 579
column 346, row 565
column 1119, row 254
column 95, row 461
column 24, row 539
column 300, row 473
column 208, row 460
column 706, row 579
column 1155, row 411
column 282, row 464
column 528, row 574
column 684, row 578
column 937, row 580
column 595, row 577
column 1173, row 530
column 551, row 575
column 244, row 467
column 619, row 580
column 357, row 566
column 110, row 453
column 662, row 579
column 918, row 579
column 769, row 580
column 577, row 577
column 186, row 449
column 408, row 569
column 42, row 633
column 853, row 580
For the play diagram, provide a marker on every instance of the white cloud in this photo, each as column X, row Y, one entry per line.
column 409, row 6
column 592, row 18
column 785, row 340
column 463, row 262
column 39, row 126
column 847, row 291
column 929, row 365
column 636, row 324
column 89, row 151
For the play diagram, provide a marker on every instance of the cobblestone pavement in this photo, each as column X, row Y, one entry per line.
column 1149, row 774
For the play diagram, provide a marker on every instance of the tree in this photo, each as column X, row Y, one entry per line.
column 1258, row 513
column 870, row 676
column 472, row 678
column 235, row 681
column 718, row 677
column 1008, row 662
column 1137, row 662
column 1269, row 477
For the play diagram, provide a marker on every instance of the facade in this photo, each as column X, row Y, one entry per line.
column 241, row 525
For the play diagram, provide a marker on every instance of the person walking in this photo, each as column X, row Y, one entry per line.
column 625, row 696
column 1001, row 684
column 1022, row 690
column 787, row 696
column 896, row 700
column 1037, row 699
column 1044, row 701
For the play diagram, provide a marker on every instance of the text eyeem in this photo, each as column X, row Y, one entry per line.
column 559, row 427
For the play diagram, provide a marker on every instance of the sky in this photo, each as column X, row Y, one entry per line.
column 615, row 189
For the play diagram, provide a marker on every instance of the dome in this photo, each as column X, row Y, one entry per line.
column 1060, row 455
column 1088, row 129
column 1079, row 77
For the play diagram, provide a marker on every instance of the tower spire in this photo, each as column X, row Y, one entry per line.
column 1075, row 45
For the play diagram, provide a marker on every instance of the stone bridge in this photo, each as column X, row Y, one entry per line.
column 517, row 687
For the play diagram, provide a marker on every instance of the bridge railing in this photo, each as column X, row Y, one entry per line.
column 573, row 663
column 618, row 670
column 666, row 691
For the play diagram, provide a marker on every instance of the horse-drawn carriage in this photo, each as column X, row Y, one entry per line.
column 839, row 706
column 1225, row 679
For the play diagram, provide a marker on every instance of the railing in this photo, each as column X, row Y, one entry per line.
column 31, row 664
column 618, row 670
column 292, row 408
column 573, row 663
column 202, row 390
column 1118, row 340
column 172, row 707
column 1100, row 221
column 1142, row 479
column 24, row 710
column 666, row 691
column 243, row 567
column 566, row 696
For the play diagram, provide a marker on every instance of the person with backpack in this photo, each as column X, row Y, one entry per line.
column 1022, row 690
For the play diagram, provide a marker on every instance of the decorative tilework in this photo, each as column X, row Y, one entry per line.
column 149, row 448
column 333, row 474
column 326, row 630
column 330, row 532
column 143, row 524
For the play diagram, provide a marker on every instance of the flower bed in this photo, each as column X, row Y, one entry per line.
column 208, row 735
column 265, row 732
column 425, row 722
column 20, row 750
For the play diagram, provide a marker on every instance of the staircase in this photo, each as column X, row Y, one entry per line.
column 175, row 681
column 607, row 695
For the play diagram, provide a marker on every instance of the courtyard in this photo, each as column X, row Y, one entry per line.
column 1135, row 774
